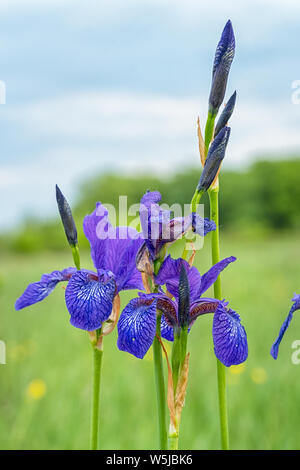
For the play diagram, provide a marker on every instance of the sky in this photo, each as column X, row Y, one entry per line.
column 118, row 85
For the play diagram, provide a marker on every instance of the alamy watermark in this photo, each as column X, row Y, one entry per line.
column 163, row 222
column 295, row 98
column 295, row 358
column 2, row 352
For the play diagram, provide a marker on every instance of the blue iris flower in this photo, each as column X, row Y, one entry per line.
column 284, row 327
column 90, row 295
column 136, row 326
column 159, row 227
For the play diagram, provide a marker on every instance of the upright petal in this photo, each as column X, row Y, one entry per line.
column 229, row 336
column 113, row 249
column 37, row 291
column 137, row 326
column 169, row 275
column 89, row 299
column 210, row 277
column 287, row 321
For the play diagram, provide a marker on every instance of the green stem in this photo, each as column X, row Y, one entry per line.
column 97, row 363
column 160, row 386
column 221, row 370
column 209, row 129
column 173, row 439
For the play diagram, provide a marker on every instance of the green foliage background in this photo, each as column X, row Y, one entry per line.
column 260, row 223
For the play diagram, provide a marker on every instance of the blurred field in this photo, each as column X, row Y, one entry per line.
column 264, row 396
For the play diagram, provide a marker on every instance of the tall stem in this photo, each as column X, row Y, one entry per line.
column 221, row 370
column 97, row 363
column 160, row 386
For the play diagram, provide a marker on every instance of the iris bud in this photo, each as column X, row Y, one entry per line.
column 226, row 114
column 66, row 217
column 223, row 59
column 213, row 160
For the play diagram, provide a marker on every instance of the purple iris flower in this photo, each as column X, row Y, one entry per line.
column 222, row 63
column 159, row 228
column 136, row 326
column 284, row 327
column 89, row 295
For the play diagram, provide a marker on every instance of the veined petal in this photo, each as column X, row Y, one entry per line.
column 89, row 299
column 166, row 331
column 203, row 306
column 169, row 275
column 229, row 336
column 210, row 277
column 37, row 291
column 113, row 249
column 137, row 326
column 287, row 321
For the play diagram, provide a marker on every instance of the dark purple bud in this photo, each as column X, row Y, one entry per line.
column 214, row 159
column 226, row 114
column 223, row 59
column 184, row 299
column 66, row 217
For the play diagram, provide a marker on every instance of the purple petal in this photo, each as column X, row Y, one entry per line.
column 203, row 306
column 230, row 339
column 37, row 291
column 169, row 275
column 113, row 249
column 287, row 321
column 137, row 326
column 89, row 299
column 210, row 277
column 166, row 330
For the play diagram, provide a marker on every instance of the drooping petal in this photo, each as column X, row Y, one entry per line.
column 37, row 291
column 180, row 225
column 287, row 321
column 229, row 336
column 210, row 277
column 137, row 326
column 89, row 299
column 203, row 306
column 166, row 331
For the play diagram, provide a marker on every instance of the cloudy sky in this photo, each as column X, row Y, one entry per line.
column 118, row 84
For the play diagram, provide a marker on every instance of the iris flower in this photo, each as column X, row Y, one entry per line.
column 90, row 295
column 137, row 323
column 284, row 327
column 159, row 228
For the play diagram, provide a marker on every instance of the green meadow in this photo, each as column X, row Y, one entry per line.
column 45, row 385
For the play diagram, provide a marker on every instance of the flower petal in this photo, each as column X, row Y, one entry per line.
column 169, row 275
column 37, row 291
column 210, row 277
column 166, row 331
column 287, row 321
column 89, row 299
column 137, row 326
column 113, row 249
column 230, row 339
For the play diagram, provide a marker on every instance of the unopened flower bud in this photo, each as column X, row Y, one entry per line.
column 226, row 114
column 223, row 59
column 214, row 159
column 66, row 217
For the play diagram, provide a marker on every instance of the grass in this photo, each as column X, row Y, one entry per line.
column 264, row 395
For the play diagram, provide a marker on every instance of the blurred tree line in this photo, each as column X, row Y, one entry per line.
column 253, row 202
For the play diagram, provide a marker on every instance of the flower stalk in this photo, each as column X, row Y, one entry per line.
column 97, row 366
column 221, row 370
